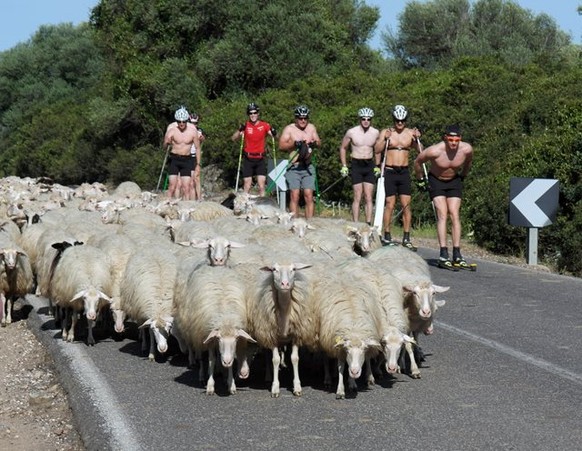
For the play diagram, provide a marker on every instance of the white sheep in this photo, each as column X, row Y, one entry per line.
column 147, row 291
column 16, row 277
column 82, row 285
column 350, row 324
column 210, row 313
column 419, row 291
column 279, row 312
column 217, row 248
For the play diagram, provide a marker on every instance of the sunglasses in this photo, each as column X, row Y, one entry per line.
column 181, row 122
column 302, row 118
column 368, row 119
column 253, row 112
column 453, row 139
column 401, row 121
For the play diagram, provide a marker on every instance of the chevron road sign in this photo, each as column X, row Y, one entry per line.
column 278, row 175
column 533, row 202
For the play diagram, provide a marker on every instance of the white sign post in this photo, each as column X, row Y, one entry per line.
column 277, row 176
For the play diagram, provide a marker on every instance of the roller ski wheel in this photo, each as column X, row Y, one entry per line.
column 408, row 245
column 462, row 264
column 386, row 242
column 446, row 264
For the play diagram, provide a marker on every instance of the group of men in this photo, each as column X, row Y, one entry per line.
column 373, row 153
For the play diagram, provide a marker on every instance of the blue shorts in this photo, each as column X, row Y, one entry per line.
column 299, row 176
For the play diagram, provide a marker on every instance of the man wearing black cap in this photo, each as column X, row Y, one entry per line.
column 450, row 162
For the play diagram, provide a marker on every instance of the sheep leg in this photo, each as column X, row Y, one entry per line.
column 74, row 319
column 326, row 372
column 152, row 354
column 371, row 380
column 295, row 364
column 275, row 386
column 268, row 368
column 230, row 381
column 90, row 326
column 9, row 307
column 198, row 358
column 65, row 324
column 341, row 390
column 211, row 363
column 2, row 312
column 143, row 340
column 414, row 371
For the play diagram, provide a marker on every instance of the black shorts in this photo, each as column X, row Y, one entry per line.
column 181, row 164
column 397, row 181
column 363, row 171
column 447, row 188
column 252, row 166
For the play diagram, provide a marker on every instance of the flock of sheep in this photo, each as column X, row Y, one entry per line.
column 229, row 281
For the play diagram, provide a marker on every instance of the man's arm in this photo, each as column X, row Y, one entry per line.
column 286, row 140
column 468, row 162
column 380, row 144
column 343, row 149
column 421, row 158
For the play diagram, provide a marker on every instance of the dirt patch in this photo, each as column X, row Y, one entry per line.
column 34, row 409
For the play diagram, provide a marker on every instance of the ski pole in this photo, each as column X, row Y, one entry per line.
column 317, row 193
column 242, row 138
column 331, row 186
column 275, row 163
column 163, row 167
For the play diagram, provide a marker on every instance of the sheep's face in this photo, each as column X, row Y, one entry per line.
column 391, row 346
column 424, row 298
column 118, row 320
column 161, row 329
column 219, row 250
column 10, row 257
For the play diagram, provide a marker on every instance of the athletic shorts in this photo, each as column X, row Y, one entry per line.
column 181, row 164
column 363, row 171
column 252, row 167
column 447, row 188
column 300, row 176
column 397, row 181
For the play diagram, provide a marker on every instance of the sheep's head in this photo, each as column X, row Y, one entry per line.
column 355, row 351
column 227, row 343
column 93, row 301
column 423, row 295
column 392, row 342
column 161, row 329
column 10, row 257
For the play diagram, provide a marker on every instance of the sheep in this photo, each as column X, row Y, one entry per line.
column 279, row 311
column 127, row 189
column 16, row 278
column 193, row 231
column 205, row 210
column 147, row 291
column 218, row 249
column 418, row 289
column 119, row 249
column 366, row 239
column 210, row 312
column 82, row 284
column 9, row 229
column 349, row 324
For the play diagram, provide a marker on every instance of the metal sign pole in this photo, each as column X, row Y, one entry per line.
column 532, row 246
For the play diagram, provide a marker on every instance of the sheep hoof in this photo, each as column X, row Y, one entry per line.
column 415, row 375
column 297, row 392
column 274, row 394
column 209, row 392
column 340, row 396
column 151, row 358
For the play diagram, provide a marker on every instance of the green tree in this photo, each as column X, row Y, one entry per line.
column 431, row 34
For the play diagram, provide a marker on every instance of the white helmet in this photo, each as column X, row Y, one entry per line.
column 181, row 114
column 366, row 112
column 400, row 113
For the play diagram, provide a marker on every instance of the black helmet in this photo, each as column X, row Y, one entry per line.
column 301, row 111
column 252, row 107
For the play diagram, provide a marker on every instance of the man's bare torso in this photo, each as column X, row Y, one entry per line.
column 362, row 142
column 399, row 147
column 448, row 161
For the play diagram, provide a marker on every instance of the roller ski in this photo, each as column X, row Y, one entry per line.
column 460, row 263
column 445, row 263
column 408, row 245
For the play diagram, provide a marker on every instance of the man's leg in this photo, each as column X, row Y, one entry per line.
column 173, row 185
column 247, row 182
column 369, row 201
column 406, row 216
column 294, row 201
column 309, row 204
column 440, row 204
column 185, row 186
column 358, row 188
column 388, row 209
column 454, row 207
column 261, row 179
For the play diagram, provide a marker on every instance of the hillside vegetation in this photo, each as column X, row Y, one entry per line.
column 91, row 103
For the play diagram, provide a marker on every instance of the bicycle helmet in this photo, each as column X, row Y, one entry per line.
column 181, row 114
column 301, row 111
column 400, row 113
column 366, row 112
column 253, row 107
column 194, row 118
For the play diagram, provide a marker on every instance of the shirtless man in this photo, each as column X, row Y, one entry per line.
column 179, row 141
column 361, row 139
column 300, row 139
column 397, row 141
column 450, row 162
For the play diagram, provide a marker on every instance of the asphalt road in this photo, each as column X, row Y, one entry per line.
column 503, row 372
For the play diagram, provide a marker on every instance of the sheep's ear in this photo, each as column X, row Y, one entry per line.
column 236, row 245
column 440, row 289
column 310, row 227
column 200, row 244
column 79, row 295
column 440, row 303
column 266, row 268
column 214, row 334
column 370, row 342
column 105, row 297
column 408, row 339
column 299, row 266
column 240, row 333
column 339, row 342
column 408, row 288
column 146, row 323
column 184, row 243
